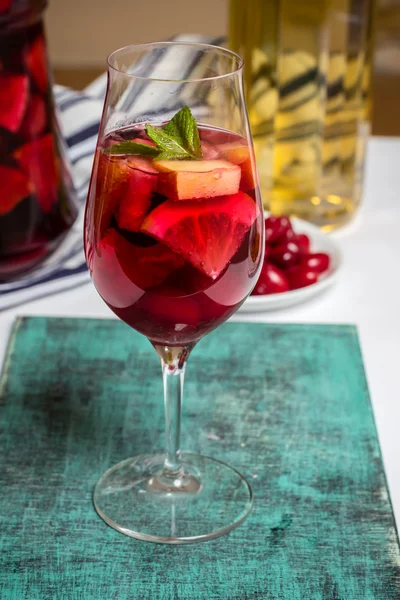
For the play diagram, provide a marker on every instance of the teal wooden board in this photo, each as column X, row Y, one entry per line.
column 286, row 404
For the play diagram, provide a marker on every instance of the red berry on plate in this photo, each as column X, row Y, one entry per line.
column 271, row 281
column 318, row 262
column 276, row 228
column 288, row 236
column 300, row 277
column 285, row 255
column 303, row 241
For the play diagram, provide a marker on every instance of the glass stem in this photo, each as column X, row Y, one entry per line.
column 173, row 364
column 173, row 392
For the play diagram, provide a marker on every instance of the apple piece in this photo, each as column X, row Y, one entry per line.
column 235, row 152
column 187, row 179
column 136, row 200
column 248, row 180
column 15, row 186
column 238, row 153
column 14, row 93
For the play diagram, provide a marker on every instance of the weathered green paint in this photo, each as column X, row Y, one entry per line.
column 286, row 404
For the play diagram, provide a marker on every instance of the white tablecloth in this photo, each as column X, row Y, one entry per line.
column 367, row 294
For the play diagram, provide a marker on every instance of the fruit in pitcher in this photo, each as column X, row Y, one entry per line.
column 14, row 94
column 37, row 160
column 5, row 5
column 207, row 233
column 36, row 63
column 34, row 121
column 14, row 188
column 187, row 179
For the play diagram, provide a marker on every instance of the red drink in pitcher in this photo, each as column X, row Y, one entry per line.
column 37, row 204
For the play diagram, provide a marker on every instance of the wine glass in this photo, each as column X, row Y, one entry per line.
column 174, row 244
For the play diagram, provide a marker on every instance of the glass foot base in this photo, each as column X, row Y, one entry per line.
column 209, row 500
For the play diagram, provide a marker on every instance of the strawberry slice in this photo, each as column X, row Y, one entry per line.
column 14, row 92
column 206, row 233
column 35, row 118
column 14, row 188
column 36, row 63
column 122, row 187
column 38, row 161
column 136, row 196
column 136, row 201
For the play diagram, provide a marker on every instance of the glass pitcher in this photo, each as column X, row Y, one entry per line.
column 37, row 199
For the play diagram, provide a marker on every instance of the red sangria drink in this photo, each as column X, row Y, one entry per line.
column 37, row 204
column 174, row 241
column 174, row 245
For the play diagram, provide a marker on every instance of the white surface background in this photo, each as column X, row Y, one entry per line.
column 367, row 294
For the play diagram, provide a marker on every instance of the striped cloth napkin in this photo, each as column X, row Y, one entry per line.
column 79, row 115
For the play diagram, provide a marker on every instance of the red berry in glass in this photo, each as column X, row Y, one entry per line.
column 37, row 203
column 174, row 246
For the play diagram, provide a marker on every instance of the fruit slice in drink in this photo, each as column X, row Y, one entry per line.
column 189, row 179
column 205, row 233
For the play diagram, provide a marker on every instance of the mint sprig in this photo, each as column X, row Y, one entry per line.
column 183, row 127
column 168, row 145
column 176, row 140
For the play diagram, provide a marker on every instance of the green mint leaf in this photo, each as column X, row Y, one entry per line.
column 183, row 128
column 132, row 148
column 167, row 143
column 177, row 139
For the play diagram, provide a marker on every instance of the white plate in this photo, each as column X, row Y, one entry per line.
column 320, row 242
